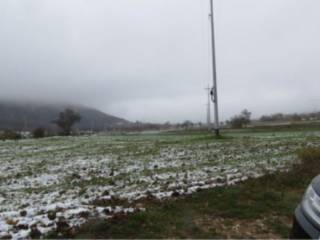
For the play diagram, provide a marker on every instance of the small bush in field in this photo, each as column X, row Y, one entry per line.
column 10, row 135
column 66, row 120
column 39, row 133
column 242, row 120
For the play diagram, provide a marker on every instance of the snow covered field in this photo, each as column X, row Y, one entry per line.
column 58, row 183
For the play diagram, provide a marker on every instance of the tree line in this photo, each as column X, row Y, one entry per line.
column 291, row 117
column 64, row 121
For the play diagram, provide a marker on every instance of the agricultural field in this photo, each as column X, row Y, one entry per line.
column 60, row 183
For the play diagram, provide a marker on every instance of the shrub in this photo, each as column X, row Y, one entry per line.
column 10, row 135
column 242, row 120
column 39, row 133
column 66, row 120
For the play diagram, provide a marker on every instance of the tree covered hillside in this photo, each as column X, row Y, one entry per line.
column 28, row 116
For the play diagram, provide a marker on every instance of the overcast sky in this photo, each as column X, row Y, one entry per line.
column 149, row 60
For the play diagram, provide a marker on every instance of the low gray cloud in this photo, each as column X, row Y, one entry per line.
column 150, row 60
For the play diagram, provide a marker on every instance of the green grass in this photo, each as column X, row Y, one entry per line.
column 270, row 199
column 264, row 204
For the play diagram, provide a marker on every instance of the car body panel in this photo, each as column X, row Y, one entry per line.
column 302, row 223
column 316, row 185
column 306, row 225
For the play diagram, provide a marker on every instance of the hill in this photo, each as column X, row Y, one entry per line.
column 28, row 116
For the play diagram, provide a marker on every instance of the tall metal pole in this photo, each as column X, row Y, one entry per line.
column 214, row 91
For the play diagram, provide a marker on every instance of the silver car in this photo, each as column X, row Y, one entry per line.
column 306, row 222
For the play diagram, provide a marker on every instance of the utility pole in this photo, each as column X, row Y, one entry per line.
column 214, row 90
column 208, row 89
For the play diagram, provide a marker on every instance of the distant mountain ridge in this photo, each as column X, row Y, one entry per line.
column 26, row 116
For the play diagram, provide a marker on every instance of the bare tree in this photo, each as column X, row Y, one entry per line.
column 66, row 120
column 39, row 132
column 241, row 120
